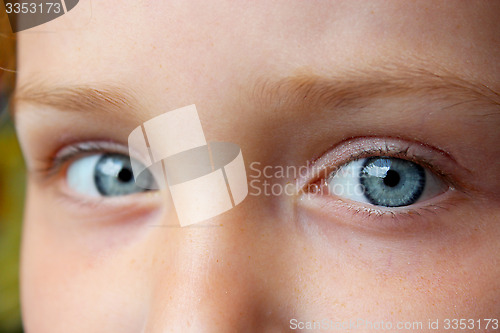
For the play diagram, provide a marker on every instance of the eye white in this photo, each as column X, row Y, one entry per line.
column 346, row 183
column 80, row 176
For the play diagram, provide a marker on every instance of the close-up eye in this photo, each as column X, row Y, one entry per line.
column 385, row 181
column 104, row 175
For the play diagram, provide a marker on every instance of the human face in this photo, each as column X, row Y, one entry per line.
column 294, row 84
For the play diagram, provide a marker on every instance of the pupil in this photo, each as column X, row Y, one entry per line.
column 391, row 178
column 125, row 175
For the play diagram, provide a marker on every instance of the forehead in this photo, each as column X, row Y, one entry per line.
column 184, row 44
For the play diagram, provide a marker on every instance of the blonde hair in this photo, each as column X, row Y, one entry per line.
column 7, row 57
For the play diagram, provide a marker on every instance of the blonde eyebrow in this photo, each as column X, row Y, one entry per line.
column 82, row 98
column 303, row 91
column 356, row 88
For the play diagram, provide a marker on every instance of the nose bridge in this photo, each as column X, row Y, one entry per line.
column 204, row 284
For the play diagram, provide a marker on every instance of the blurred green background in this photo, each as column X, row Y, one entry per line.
column 12, row 186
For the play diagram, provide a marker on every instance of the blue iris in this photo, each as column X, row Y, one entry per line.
column 113, row 176
column 392, row 182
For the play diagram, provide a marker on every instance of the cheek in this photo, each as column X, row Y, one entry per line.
column 439, row 287
column 66, row 288
column 349, row 275
column 69, row 282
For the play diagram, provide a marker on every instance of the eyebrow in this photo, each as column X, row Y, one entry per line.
column 82, row 98
column 305, row 90
column 356, row 88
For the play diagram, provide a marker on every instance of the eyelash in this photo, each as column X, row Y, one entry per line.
column 54, row 164
column 387, row 221
column 390, row 217
column 52, row 170
column 401, row 153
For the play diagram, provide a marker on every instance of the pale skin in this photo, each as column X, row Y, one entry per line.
column 121, row 265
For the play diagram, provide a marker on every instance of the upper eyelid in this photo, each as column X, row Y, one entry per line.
column 53, row 164
column 90, row 147
column 437, row 160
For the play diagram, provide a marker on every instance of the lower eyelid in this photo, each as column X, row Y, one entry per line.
column 123, row 209
column 421, row 217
